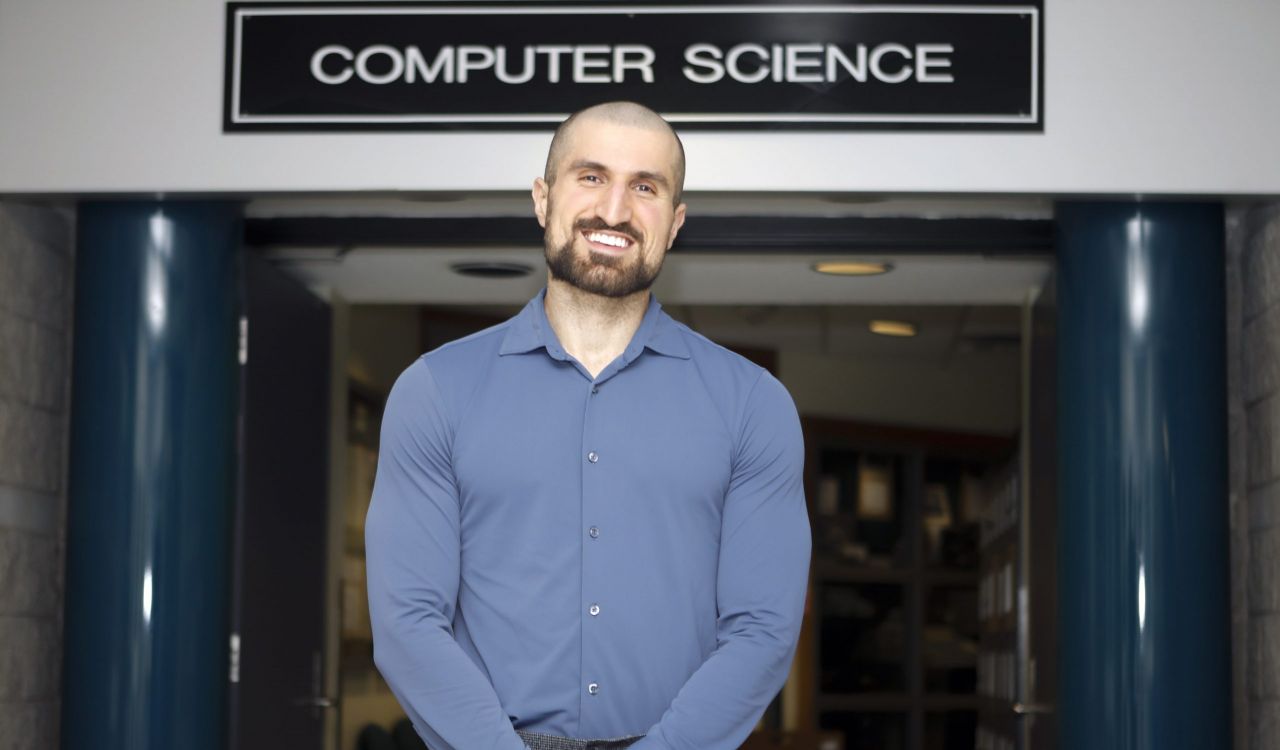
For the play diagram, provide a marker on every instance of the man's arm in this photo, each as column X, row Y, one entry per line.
column 412, row 547
column 760, row 586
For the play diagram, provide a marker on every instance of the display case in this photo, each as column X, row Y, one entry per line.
column 894, row 598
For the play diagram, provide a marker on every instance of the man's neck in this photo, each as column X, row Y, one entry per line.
column 593, row 329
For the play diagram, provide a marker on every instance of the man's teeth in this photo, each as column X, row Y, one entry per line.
column 608, row 239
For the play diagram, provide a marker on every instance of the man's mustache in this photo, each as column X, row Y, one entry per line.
column 598, row 224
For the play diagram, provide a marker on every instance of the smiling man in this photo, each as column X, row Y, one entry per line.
column 588, row 528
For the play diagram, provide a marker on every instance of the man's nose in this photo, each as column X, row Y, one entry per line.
column 614, row 206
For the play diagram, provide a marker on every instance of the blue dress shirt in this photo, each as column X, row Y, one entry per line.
column 587, row 557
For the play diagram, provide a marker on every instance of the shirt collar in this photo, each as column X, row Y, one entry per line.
column 524, row 333
column 664, row 336
column 530, row 330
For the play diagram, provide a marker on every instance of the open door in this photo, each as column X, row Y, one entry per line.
column 1017, row 600
column 1040, row 727
column 278, row 604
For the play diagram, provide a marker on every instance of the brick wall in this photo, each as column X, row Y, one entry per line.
column 1253, row 255
column 36, row 246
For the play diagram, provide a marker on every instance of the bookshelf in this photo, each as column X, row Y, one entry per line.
column 890, row 652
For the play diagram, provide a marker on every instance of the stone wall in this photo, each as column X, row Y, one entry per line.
column 1253, row 256
column 36, row 247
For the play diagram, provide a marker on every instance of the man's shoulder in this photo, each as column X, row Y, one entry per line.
column 468, row 351
column 446, row 376
column 744, row 392
column 452, row 366
column 715, row 359
column 737, row 383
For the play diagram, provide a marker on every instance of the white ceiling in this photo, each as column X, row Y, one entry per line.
column 424, row 276
column 380, row 275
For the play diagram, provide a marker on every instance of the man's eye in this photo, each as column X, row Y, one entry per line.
column 645, row 188
column 591, row 178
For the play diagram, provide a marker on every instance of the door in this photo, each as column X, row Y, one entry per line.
column 1039, row 729
column 278, row 604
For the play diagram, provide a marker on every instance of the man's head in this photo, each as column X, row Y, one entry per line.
column 609, row 199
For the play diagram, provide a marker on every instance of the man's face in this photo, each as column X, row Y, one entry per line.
column 609, row 215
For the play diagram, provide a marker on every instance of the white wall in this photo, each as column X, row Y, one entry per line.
column 1142, row 96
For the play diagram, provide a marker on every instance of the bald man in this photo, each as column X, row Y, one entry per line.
column 588, row 528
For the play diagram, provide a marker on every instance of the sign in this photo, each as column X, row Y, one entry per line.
column 411, row 66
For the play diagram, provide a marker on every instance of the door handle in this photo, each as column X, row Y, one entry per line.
column 316, row 703
column 1031, row 709
column 317, row 700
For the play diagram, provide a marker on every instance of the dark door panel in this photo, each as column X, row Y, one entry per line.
column 282, row 505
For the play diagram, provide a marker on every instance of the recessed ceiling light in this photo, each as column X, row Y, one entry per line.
column 851, row 268
column 492, row 269
column 892, row 328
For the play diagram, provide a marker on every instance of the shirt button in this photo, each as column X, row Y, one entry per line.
column 593, row 456
column 595, row 388
column 595, row 610
column 594, row 532
column 593, row 688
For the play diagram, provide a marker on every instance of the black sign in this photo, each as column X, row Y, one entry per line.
column 409, row 66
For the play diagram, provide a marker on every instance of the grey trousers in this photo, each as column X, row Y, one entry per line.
column 535, row 741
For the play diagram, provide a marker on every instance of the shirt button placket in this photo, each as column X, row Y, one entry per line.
column 593, row 484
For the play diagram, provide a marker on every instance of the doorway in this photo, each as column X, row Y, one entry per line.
column 911, row 439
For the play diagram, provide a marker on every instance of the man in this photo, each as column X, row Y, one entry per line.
column 588, row 527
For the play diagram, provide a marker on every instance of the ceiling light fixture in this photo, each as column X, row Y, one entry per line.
column 492, row 269
column 851, row 268
column 892, row 328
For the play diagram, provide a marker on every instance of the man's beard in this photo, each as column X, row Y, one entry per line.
column 605, row 275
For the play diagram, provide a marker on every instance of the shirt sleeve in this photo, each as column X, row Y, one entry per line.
column 412, row 548
column 760, row 586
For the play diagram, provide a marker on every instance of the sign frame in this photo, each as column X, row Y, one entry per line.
column 235, row 120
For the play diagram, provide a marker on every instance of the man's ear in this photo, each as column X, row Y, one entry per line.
column 540, row 192
column 676, row 223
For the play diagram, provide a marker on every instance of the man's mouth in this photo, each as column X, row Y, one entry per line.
column 607, row 241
